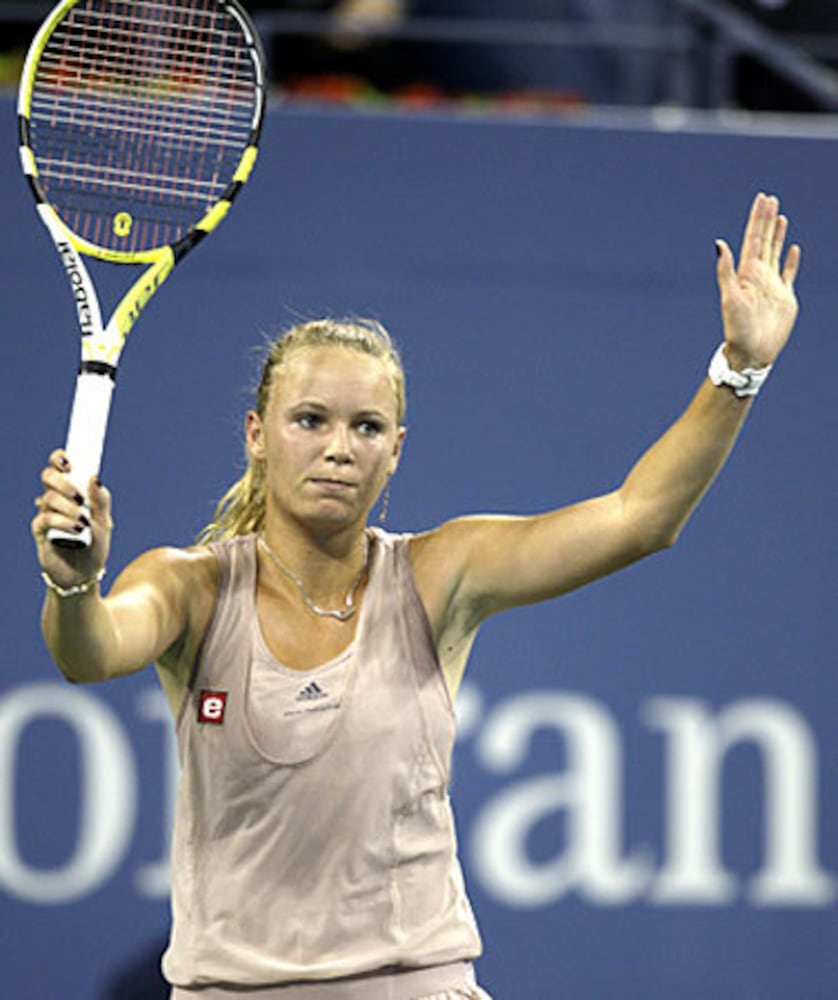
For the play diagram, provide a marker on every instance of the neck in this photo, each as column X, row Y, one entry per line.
column 326, row 548
column 326, row 572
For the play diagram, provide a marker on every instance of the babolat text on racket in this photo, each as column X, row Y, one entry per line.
column 139, row 124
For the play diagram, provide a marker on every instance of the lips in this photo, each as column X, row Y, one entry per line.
column 333, row 485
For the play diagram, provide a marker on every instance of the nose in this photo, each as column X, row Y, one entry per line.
column 338, row 447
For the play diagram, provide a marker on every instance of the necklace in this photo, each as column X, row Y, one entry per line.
column 342, row 614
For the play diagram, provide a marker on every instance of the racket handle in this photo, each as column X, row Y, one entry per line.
column 85, row 441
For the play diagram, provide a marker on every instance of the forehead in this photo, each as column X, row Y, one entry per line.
column 337, row 376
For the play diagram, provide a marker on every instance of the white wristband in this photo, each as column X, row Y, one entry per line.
column 748, row 382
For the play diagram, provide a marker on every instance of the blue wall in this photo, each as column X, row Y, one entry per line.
column 645, row 780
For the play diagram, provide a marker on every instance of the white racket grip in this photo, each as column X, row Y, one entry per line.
column 85, row 441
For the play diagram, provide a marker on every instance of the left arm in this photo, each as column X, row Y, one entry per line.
column 759, row 309
column 472, row 567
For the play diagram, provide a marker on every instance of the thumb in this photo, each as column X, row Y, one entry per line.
column 725, row 266
column 99, row 499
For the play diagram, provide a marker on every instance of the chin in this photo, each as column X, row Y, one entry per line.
column 334, row 514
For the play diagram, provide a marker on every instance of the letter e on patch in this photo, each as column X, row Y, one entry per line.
column 211, row 706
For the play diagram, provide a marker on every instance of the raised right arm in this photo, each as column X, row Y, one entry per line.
column 150, row 609
column 147, row 614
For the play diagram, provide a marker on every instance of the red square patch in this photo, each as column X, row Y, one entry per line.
column 211, row 706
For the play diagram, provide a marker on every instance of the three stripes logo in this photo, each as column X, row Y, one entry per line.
column 311, row 692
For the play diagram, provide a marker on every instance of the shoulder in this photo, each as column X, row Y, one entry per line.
column 450, row 546
column 462, row 564
column 171, row 566
column 179, row 585
column 439, row 558
column 185, row 584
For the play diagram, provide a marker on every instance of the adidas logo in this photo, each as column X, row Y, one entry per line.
column 312, row 692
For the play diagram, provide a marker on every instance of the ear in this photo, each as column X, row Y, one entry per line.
column 401, row 434
column 254, row 436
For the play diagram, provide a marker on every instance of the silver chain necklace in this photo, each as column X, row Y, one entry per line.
column 342, row 614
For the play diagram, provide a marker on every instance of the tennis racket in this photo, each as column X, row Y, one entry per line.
column 139, row 122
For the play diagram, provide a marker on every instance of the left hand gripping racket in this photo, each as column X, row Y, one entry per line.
column 139, row 124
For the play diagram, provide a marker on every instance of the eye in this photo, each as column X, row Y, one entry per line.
column 370, row 428
column 309, row 421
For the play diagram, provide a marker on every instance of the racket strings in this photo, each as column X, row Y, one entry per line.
column 140, row 114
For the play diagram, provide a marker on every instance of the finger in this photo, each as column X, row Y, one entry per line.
column 781, row 228
column 752, row 237
column 38, row 526
column 58, row 505
column 758, row 238
column 72, row 521
column 792, row 264
column 59, row 459
column 47, row 520
column 768, row 228
column 61, row 502
column 57, row 502
column 57, row 482
column 725, row 266
column 99, row 498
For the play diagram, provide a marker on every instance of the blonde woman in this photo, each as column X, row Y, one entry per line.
column 311, row 661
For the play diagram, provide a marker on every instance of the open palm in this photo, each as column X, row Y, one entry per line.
column 759, row 305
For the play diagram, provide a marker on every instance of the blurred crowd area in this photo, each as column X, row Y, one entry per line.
column 757, row 55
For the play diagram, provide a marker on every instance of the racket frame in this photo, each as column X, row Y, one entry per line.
column 102, row 344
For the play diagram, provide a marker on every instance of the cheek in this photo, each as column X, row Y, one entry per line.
column 288, row 441
column 282, row 455
column 373, row 462
column 389, row 463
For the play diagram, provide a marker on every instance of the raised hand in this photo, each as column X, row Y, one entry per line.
column 759, row 305
column 61, row 506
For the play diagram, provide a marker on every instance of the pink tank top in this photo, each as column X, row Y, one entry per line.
column 313, row 835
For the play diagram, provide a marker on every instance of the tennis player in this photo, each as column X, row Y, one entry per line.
column 311, row 661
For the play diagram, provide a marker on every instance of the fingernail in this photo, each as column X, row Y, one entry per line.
column 79, row 499
column 84, row 521
column 718, row 248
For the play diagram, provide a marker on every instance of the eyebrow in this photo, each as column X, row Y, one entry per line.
column 375, row 414
column 311, row 404
column 307, row 404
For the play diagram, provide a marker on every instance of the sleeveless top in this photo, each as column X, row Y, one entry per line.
column 313, row 833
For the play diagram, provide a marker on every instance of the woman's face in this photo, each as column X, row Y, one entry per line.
column 329, row 438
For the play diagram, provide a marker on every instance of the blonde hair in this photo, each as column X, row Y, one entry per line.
column 242, row 508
